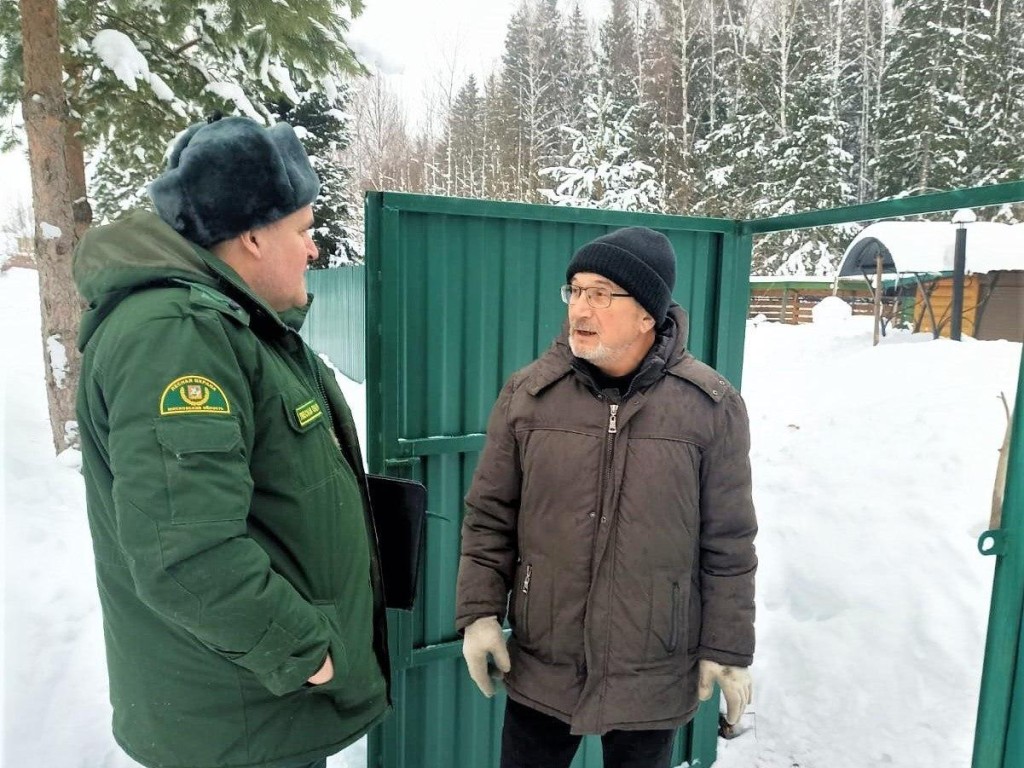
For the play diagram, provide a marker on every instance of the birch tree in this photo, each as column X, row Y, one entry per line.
column 381, row 150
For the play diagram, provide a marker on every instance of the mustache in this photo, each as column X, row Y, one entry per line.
column 581, row 327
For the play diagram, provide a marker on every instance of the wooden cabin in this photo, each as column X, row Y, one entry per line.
column 917, row 262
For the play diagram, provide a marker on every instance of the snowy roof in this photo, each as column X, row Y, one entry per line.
column 927, row 246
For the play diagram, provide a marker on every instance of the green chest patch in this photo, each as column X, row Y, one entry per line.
column 193, row 394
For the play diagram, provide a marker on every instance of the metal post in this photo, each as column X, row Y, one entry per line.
column 876, row 336
column 959, row 259
column 961, row 218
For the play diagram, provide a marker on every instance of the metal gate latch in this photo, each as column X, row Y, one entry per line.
column 992, row 543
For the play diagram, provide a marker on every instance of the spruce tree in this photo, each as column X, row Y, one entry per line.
column 859, row 61
column 935, row 68
column 997, row 152
column 138, row 73
column 553, row 106
column 603, row 172
column 463, row 151
column 322, row 125
column 580, row 73
column 809, row 167
column 618, row 63
column 737, row 129
column 493, row 116
column 650, row 122
column 675, row 46
column 517, row 76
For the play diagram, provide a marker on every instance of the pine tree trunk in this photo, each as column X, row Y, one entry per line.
column 54, row 189
column 81, row 211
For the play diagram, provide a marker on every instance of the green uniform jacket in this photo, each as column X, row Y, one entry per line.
column 229, row 514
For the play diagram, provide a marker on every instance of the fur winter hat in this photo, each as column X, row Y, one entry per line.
column 637, row 258
column 229, row 175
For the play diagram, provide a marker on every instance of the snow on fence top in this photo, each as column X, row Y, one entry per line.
column 927, row 246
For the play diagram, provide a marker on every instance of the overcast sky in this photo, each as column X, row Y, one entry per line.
column 415, row 44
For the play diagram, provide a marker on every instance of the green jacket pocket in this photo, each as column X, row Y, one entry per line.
column 310, row 452
column 208, row 477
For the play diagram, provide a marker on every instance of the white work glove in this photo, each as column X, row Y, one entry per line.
column 736, row 685
column 482, row 638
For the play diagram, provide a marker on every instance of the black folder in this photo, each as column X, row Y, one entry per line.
column 399, row 509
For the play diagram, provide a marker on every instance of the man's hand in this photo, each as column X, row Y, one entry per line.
column 736, row 685
column 482, row 638
column 324, row 674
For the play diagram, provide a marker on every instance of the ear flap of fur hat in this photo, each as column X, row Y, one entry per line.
column 232, row 175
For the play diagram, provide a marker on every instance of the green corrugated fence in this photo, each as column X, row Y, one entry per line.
column 336, row 323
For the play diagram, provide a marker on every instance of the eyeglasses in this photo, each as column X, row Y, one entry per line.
column 598, row 296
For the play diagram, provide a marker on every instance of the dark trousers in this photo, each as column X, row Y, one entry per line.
column 531, row 739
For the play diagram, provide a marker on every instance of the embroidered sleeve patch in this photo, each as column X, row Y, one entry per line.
column 193, row 394
column 308, row 412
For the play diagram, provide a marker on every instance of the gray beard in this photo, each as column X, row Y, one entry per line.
column 595, row 355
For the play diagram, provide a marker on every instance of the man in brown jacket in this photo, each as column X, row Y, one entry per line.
column 610, row 516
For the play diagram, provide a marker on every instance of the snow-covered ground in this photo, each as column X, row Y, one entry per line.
column 873, row 472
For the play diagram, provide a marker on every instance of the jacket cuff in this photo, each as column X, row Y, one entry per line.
column 725, row 658
column 463, row 620
column 283, row 662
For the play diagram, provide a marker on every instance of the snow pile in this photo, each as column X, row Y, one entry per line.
column 830, row 311
column 873, row 470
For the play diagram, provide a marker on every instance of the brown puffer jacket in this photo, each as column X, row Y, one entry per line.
column 624, row 534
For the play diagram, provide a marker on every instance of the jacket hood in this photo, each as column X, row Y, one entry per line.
column 140, row 250
column 134, row 252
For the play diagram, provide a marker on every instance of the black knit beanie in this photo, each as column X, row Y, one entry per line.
column 637, row 258
column 230, row 175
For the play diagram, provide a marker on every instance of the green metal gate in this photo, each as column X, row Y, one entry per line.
column 999, row 735
column 461, row 293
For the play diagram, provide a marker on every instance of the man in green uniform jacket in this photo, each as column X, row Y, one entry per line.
column 235, row 555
